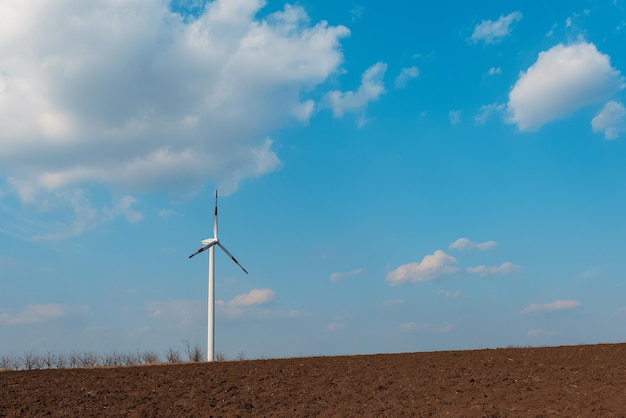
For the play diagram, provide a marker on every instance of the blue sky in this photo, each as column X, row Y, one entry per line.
column 395, row 177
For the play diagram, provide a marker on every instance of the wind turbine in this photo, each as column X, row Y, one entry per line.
column 209, row 244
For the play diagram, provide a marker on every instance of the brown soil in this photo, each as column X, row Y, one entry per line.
column 585, row 381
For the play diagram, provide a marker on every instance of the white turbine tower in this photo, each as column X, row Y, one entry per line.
column 209, row 244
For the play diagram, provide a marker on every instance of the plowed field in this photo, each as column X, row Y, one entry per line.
column 571, row 381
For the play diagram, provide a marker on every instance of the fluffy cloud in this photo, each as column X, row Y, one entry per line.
column 506, row 267
column 405, row 76
column 562, row 80
column 491, row 31
column 334, row 277
column 431, row 267
column 552, row 306
column 253, row 298
column 611, row 120
column 467, row 244
column 494, row 70
column 450, row 294
column 134, row 95
column 371, row 88
column 34, row 314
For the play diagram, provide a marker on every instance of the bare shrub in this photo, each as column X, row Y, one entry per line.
column 219, row 356
column 131, row 359
column 194, row 353
column 60, row 361
column 50, row 360
column 32, row 361
column 9, row 362
column 149, row 357
column 88, row 359
column 112, row 360
column 173, row 355
column 74, row 360
column 241, row 355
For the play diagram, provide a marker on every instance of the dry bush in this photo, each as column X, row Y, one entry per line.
column 241, row 355
column 172, row 355
column 194, row 353
column 88, row 359
column 149, row 357
column 32, row 361
column 112, row 360
column 9, row 362
column 219, row 356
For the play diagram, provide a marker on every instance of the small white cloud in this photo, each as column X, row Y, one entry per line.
column 486, row 111
column 356, row 13
column 494, row 70
column 334, row 277
column 464, row 244
column 450, row 294
column 34, row 314
column 611, row 120
column 371, row 88
column 404, row 77
column 490, row 31
column 335, row 326
column 504, row 268
column 552, row 306
column 561, row 81
column 455, row 117
column 252, row 298
column 431, row 267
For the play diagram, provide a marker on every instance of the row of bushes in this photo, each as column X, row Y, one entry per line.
column 36, row 361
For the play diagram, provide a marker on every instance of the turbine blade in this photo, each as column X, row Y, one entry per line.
column 215, row 217
column 206, row 247
column 231, row 256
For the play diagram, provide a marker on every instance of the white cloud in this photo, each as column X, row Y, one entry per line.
column 252, row 298
column 455, row 117
column 339, row 275
column 504, row 268
column 611, row 120
column 132, row 95
column 34, row 314
column 404, row 77
column 552, row 306
column 491, row 31
column 335, row 326
column 371, row 88
column 430, row 268
column 494, row 70
column 464, row 244
column 486, row 111
column 562, row 80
